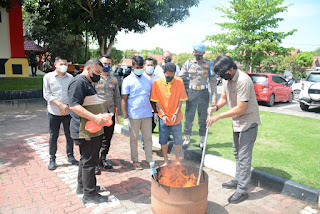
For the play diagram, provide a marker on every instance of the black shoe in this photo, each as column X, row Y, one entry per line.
column 237, row 198
column 230, row 185
column 97, row 170
column 95, row 199
column 106, row 164
column 80, row 191
column 73, row 161
column 52, row 164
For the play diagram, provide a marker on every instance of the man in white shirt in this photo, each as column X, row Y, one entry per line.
column 55, row 92
column 167, row 57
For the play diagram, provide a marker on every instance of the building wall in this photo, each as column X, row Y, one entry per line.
column 5, row 52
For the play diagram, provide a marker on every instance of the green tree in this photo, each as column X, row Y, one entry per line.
column 316, row 52
column 116, row 56
column 290, row 63
column 304, row 59
column 128, row 54
column 8, row 4
column 272, row 64
column 104, row 19
column 248, row 37
column 180, row 59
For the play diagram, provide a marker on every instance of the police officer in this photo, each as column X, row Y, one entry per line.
column 108, row 91
column 199, row 71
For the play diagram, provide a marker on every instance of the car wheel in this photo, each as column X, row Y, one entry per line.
column 271, row 100
column 304, row 107
column 290, row 98
column 296, row 94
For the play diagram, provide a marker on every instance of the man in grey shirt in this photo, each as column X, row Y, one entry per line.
column 238, row 91
column 55, row 92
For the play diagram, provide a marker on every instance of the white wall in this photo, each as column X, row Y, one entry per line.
column 4, row 35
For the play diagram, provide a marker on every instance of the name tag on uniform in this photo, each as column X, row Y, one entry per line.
column 99, row 86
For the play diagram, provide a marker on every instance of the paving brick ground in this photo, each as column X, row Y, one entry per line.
column 27, row 186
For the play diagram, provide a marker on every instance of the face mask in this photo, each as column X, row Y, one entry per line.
column 95, row 78
column 169, row 79
column 198, row 57
column 167, row 60
column 138, row 72
column 106, row 68
column 63, row 68
column 226, row 76
column 149, row 69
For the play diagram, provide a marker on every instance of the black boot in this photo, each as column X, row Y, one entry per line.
column 106, row 164
column 52, row 164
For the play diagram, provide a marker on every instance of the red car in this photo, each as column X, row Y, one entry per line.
column 271, row 88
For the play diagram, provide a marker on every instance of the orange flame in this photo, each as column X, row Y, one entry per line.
column 176, row 176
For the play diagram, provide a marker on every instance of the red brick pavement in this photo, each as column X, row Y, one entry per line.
column 27, row 186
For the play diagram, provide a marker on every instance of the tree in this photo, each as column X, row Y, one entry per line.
column 316, row 52
column 104, row 19
column 116, row 56
column 180, row 59
column 8, row 4
column 128, row 54
column 290, row 63
column 304, row 59
column 272, row 64
column 248, row 36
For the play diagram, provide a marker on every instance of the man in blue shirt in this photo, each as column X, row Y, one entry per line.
column 137, row 111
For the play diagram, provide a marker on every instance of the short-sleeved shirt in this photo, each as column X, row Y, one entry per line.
column 240, row 89
column 81, row 92
column 55, row 87
column 198, row 73
column 138, row 90
column 168, row 95
column 108, row 92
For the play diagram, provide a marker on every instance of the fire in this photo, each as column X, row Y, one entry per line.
column 176, row 176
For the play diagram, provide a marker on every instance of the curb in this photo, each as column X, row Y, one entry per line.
column 258, row 177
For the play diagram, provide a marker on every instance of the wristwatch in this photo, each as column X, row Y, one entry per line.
column 216, row 107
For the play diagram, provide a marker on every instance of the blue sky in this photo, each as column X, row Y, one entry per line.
column 303, row 15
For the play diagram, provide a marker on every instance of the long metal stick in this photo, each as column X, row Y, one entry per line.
column 203, row 155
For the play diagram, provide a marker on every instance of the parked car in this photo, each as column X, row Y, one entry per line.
column 271, row 88
column 310, row 91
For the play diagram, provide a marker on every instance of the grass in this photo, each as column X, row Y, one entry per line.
column 20, row 83
column 287, row 146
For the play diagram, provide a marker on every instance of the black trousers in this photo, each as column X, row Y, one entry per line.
column 54, row 126
column 106, row 139
column 34, row 69
column 89, row 157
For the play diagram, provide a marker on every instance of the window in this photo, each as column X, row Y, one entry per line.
column 259, row 78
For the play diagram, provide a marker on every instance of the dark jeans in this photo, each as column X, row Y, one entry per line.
column 89, row 157
column 196, row 99
column 106, row 139
column 34, row 69
column 54, row 126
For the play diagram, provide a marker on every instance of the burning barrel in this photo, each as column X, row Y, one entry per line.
column 175, row 191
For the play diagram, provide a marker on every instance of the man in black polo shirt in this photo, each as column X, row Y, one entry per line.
column 85, row 105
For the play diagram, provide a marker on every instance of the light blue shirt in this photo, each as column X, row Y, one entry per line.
column 138, row 90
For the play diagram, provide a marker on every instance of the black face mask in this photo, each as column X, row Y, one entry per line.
column 198, row 57
column 226, row 76
column 169, row 79
column 167, row 60
column 95, row 78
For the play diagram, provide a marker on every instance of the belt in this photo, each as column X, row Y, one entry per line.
column 198, row 87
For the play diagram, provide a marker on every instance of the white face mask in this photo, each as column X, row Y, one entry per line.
column 63, row 68
column 149, row 69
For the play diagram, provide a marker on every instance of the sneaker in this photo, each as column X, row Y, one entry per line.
column 97, row 199
column 52, row 164
column 201, row 142
column 230, row 185
column 186, row 141
column 237, row 198
column 73, row 161
column 97, row 170
column 80, row 191
column 105, row 164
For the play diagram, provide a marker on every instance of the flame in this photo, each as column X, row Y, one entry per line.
column 176, row 176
